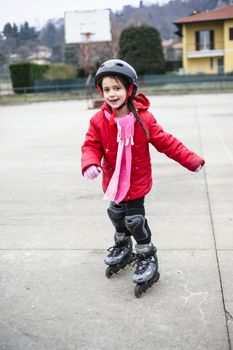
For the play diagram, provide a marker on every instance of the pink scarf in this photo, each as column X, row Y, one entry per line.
column 120, row 180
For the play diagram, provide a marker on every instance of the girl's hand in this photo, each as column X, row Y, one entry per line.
column 92, row 172
column 198, row 168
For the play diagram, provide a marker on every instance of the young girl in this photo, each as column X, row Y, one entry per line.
column 117, row 143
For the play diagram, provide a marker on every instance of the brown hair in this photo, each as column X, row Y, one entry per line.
column 133, row 109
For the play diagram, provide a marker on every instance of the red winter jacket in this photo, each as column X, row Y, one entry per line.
column 100, row 148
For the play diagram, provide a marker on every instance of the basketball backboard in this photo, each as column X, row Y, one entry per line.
column 87, row 26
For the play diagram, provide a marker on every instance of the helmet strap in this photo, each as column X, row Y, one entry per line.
column 99, row 88
column 130, row 91
column 112, row 117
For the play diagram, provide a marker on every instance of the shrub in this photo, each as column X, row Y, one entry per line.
column 60, row 71
column 23, row 75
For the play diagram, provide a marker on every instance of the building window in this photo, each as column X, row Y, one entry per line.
column 230, row 33
column 211, row 63
column 220, row 65
column 204, row 40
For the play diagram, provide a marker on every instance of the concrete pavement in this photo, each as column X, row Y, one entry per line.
column 54, row 232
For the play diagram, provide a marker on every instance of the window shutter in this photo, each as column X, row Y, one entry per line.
column 230, row 33
column 197, row 42
column 211, row 39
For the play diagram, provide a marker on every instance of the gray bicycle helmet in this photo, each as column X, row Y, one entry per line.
column 117, row 67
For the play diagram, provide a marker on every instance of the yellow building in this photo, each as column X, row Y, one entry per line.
column 207, row 39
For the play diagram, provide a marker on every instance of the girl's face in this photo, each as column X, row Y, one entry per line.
column 114, row 92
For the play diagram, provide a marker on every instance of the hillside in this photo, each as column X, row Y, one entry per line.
column 163, row 17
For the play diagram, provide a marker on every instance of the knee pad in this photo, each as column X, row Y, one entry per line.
column 138, row 227
column 116, row 214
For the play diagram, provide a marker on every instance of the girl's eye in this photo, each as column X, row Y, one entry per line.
column 115, row 88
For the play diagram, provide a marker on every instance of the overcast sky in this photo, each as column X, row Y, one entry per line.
column 37, row 12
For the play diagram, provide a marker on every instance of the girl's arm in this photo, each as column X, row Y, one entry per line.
column 173, row 148
column 92, row 149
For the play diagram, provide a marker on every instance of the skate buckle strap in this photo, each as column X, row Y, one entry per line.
column 114, row 249
column 142, row 263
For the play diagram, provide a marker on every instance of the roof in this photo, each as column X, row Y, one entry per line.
column 217, row 14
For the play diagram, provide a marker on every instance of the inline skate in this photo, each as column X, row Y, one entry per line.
column 120, row 255
column 146, row 271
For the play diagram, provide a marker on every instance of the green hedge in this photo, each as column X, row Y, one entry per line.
column 23, row 75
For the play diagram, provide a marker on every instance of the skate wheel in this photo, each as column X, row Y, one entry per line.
column 157, row 277
column 109, row 272
column 138, row 291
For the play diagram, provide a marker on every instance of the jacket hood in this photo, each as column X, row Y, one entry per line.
column 140, row 101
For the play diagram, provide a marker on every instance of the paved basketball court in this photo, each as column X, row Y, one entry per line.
column 54, row 232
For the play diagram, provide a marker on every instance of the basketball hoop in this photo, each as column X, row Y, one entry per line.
column 87, row 26
column 87, row 36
